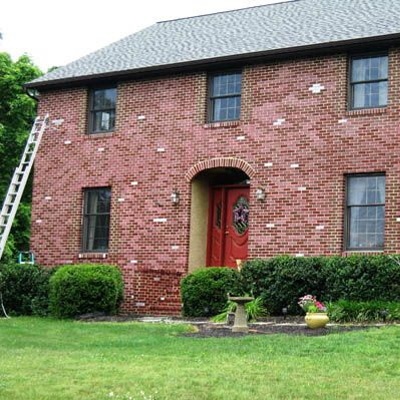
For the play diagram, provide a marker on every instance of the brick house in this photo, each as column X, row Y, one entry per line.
column 250, row 133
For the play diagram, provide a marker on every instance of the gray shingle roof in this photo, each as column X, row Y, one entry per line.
column 268, row 28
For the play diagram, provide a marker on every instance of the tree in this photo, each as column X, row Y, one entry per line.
column 17, row 112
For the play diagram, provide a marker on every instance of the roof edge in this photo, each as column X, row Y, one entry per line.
column 278, row 2
column 350, row 44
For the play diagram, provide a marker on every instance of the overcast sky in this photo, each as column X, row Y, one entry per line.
column 55, row 32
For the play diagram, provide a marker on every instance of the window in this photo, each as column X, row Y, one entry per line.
column 225, row 96
column 96, row 219
column 365, row 212
column 102, row 110
column 368, row 81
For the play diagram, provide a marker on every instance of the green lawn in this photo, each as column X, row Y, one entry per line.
column 50, row 359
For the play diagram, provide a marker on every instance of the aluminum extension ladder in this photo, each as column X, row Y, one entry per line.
column 19, row 179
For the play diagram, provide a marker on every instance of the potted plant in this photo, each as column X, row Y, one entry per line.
column 316, row 315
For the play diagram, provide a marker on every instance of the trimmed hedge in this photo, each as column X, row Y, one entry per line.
column 85, row 288
column 204, row 292
column 24, row 289
column 282, row 280
column 363, row 278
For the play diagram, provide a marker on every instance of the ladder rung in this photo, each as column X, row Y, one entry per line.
column 19, row 179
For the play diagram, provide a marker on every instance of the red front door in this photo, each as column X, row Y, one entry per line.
column 228, row 225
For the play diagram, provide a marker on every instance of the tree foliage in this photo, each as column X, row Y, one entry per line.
column 17, row 111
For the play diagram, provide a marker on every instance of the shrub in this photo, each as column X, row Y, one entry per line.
column 204, row 292
column 364, row 311
column 24, row 288
column 85, row 288
column 363, row 278
column 282, row 280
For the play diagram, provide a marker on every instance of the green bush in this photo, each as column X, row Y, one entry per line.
column 363, row 278
column 282, row 280
column 85, row 288
column 364, row 311
column 24, row 289
column 204, row 292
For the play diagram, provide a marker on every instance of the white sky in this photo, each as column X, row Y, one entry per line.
column 56, row 32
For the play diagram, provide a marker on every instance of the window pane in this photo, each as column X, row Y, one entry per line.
column 365, row 190
column 101, row 232
column 97, row 233
column 104, row 200
column 226, row 84
column 366, row 211
column 357, row 191
column 370, row 94
column 225, row 96
column 104, row 98
column 96, row 219
column 359, row 100
column 98, row 201
column 370, row 68
column 368, row 232
column 103, row 121
column 383, row 94
column 369, row 86
column 103, row 105
column 226, row 108
column 358, row 69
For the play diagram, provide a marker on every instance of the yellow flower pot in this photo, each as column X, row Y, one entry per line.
column 316, row 320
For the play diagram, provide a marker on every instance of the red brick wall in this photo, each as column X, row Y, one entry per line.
column 154, row 255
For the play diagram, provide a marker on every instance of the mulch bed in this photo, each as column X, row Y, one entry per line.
column 203, row 328
column 213, row 330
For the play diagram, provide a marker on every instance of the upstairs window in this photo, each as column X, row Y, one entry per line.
column 225, row 96
column 102, row 110
column 368, row 82
column 365, row 212
column 96, row 219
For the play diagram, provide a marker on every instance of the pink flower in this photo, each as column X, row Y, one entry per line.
column 309, row 303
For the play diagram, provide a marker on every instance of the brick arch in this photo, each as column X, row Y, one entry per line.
column 227, row 162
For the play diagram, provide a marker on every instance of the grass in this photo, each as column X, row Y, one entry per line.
column 51, row 359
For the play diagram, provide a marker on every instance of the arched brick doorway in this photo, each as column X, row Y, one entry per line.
column 220, row 211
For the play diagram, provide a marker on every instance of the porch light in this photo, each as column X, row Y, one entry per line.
column 175, row 197
column 260, row 195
